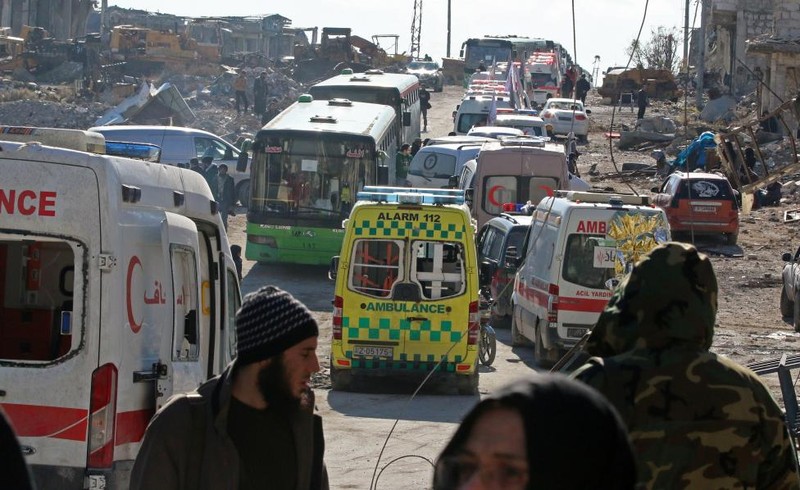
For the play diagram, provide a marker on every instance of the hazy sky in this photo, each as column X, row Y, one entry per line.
column 604, row 27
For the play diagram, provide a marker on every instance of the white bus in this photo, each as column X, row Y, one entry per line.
column 308, row 164
column 399, row 91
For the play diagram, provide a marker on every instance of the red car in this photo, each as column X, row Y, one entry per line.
column 699, row 203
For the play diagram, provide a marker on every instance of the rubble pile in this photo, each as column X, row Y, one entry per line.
column 52, row 114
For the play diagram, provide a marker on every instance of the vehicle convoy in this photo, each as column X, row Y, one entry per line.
column 579, row 244
column 117, row 289
column 179, row 145
column 429, row 74
column 543, row 76
column 308, row 164
column 406, row 293
column 790, row 288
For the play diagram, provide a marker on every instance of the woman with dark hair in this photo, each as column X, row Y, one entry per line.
column 546, row 432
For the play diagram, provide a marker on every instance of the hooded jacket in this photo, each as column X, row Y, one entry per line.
column 696, row 420
column 565, row 423
column 169, row 458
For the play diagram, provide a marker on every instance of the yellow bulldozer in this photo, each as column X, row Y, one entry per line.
column 150, row 49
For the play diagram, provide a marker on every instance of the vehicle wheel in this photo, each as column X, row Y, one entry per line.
column 516, row 338
column 341, row 379
column 243, row 193
column 583, row 138
column 732, row 237
column 787, row 305
column 468, row 385
column 540, row 354
column 796, row 316
column 487, row 347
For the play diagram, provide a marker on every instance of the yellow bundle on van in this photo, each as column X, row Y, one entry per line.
column 406, row 295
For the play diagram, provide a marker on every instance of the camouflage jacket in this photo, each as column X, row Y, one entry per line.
column 696, row 420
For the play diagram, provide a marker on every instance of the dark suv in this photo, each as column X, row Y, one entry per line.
column 500, row 242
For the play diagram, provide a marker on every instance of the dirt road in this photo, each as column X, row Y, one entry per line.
column 357, row 424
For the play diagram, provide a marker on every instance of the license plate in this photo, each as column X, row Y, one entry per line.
column 564, row 118
column 373, row 351
column 576, row 332
column 704, row 209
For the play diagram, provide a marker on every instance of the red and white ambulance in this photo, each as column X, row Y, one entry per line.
column 578, row 244
column 117, row 288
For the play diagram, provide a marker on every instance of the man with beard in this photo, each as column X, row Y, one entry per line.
column 252, row 427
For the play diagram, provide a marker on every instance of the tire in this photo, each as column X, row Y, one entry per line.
column 731, row 238
column 468, row 385
column 796, row 316
column 243, row 193
column 540, row 354
column 583, row 138
column 487, row 347
column 341, row 379
column 787, row 305
column 517, row 339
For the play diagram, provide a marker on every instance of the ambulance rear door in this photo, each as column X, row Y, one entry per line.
column 51, row 283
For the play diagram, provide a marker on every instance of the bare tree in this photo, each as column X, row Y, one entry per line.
column 660, row 51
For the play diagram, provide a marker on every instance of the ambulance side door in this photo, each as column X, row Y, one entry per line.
column 182, row 349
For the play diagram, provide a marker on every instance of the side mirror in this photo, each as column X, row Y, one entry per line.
column 407, row 118
column 655, row 190
column 241, row 162
column 452, row 182
column 612, row 284
column 787, row 257
column 334, row 268
column 512, row 258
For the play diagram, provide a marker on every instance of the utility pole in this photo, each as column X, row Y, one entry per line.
column 449, row 18
column 701, row 57
column 686, row 41
column 416, row 30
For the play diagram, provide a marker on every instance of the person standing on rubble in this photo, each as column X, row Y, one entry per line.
column 641, row 102
column 240, row 92
column 696, row 419
column 260, row 93
column 225, row 194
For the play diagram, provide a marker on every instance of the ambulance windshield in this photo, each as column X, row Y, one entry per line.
column 37, row 284
column 310, row 177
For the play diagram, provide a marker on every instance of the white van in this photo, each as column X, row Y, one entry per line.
column 433, row 165
column 579, row 243
column 179, row 145
column 117, row 288
column 473, row 110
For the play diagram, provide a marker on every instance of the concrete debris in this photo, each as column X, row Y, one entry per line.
column 720, row 109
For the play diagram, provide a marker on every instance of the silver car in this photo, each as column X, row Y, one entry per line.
column 429, row 74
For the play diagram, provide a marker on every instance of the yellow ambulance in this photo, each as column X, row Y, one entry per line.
column 406, row 294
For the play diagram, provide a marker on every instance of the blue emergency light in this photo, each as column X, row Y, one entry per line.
column 411, row 195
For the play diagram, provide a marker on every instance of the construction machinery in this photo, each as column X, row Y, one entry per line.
column 659, row 84
column 334, row 52
column 147, row 50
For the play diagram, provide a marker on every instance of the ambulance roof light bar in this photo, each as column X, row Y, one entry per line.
column 411, row 195
column 604, row 198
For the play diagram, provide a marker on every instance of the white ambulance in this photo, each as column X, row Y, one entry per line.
column 117, row 289
column 579, row 243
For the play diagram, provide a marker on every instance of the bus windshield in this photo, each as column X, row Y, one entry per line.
column 387, row 96
column 308, row 176
column 486, row 54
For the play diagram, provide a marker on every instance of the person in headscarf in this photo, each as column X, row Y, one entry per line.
column 545, row 432
column 696, row 420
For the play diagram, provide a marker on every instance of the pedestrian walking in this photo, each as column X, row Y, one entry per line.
column 260, row 94
column 696, row 420
column 641, row 102
column 401, row 162
column 240, row 92
column 210, row 172
column 582, row 88
column 253, row 426
column 516, row 439
column 225, row 195
column 236, row 254
column 424, row 105
column 566, row 88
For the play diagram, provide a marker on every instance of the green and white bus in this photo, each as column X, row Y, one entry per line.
column 308, row 164
column 398, row 90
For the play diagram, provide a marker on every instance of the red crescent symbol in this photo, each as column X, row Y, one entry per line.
column 547, row 189
column 491, row 197
column 133, row 263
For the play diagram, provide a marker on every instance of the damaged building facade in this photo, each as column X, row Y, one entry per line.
column 64, row 19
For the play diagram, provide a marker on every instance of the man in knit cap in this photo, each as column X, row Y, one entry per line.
column 253, row 426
